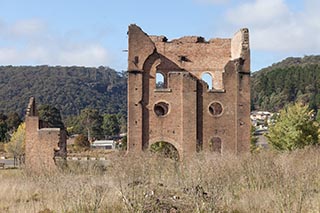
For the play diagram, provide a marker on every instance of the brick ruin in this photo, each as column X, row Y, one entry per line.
column 170, row 101
column 43, row 145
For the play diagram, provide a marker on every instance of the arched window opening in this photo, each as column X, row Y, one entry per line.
column 165, row 149
column 215, row 145
column 207, row 77
column 160, row 81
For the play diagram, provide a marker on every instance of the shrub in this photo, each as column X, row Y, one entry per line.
column 82, row 142
column 293, row 129
column 16, row 146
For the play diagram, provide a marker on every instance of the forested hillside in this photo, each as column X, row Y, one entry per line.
column 70, row 89
column 293, row 79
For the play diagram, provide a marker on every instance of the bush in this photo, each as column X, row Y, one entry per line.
column 16, row 146
column 293, row 129
column 82, row 142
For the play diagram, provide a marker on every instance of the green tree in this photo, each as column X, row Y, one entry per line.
column 16, row 146
column 3, row 131
column 73, row 125
column 111, row 125
column 293, row 129
column 51, row 115
column 3, row 128
column 13, row 121
column 122, row 118
column 92, row 123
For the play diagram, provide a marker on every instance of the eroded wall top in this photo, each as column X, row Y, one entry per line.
column 191, row 53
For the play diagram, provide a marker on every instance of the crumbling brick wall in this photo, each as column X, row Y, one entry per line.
column 43, row 145
column 185, row 111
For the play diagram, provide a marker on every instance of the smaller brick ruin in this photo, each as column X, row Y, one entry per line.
column 43, row 145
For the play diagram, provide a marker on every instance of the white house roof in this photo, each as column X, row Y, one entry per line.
column 103, row 143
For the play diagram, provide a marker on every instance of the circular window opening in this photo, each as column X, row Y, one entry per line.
column 161, row 109
column 215, row 109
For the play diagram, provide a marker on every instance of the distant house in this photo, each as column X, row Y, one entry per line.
column 261, row 119
column 103, row 144
column 260, row 115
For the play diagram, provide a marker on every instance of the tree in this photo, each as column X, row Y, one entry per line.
column 293, row 129
column 111, row 125
column 92, row 121
column 13, row 121
column 3, row 130
column 81, row 142
column 73, row 125
column 122, row 119
column 16, row 146
column 3, row 127
column 51, row 115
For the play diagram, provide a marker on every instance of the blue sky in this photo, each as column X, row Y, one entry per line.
column 94, row 32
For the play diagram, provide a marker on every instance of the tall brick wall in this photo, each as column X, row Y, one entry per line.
column 42, row 144
column 196, row 117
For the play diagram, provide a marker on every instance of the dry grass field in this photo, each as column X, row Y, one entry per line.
column 262, row 182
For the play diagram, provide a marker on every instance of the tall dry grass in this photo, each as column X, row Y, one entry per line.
column 263, row 182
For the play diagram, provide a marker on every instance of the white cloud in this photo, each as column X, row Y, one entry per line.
column 260, row 12
column 27, row 28
column 31, row 42
column 274, row 27
column 84, row 55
